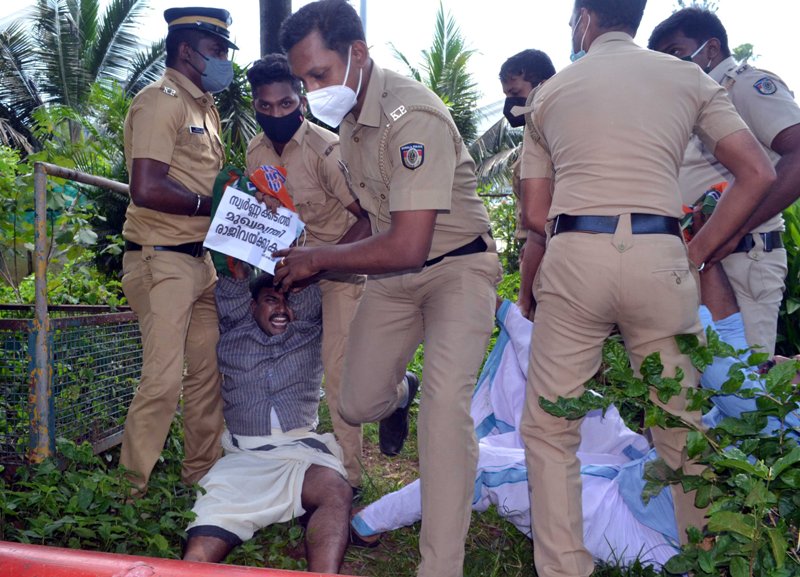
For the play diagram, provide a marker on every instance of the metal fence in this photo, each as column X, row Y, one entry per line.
column 94, row 367
column 65, row 371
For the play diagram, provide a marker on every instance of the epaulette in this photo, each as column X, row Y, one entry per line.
column 532, row 132
column 318, row 144
column 394, row 109
column 169, row 91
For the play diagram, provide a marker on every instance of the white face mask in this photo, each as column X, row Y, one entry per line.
column 332, row 103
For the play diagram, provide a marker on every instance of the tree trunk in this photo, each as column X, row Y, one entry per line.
column 272, row 14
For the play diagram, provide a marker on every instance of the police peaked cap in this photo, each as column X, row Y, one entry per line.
column 213, row 21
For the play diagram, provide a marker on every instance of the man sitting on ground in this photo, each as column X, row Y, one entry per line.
column 275, row 467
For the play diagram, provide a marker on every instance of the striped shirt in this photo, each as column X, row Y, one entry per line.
column 261, row 372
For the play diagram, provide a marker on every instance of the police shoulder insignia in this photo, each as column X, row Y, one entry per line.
column 413, row 155
column 765, row 86
column 169, row 91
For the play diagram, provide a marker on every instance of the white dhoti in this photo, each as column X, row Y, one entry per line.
column 259, row 482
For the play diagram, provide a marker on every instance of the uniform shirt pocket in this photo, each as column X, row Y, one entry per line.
column 310, row 204
column 193, row 137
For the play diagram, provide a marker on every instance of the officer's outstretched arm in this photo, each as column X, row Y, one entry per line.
column 404, row 246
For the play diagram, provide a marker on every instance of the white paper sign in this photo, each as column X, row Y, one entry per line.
column 246, row 229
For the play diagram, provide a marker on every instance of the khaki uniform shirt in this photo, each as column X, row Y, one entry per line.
column 611, row 129
column 404, row 153
column 314, row 179
column 765, row 104
column 516, row 187
column 175, row 122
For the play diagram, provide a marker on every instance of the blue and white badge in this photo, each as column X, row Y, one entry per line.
column 765, row 86
column 413, row 155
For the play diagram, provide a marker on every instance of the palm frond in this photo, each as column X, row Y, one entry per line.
column 146, row 67
column 444, row 70
column 236, row 112
column 412, row 70
column 11, row 136
column 117, row 42
column 495, row 151
column 59, row 52
column 19, row 93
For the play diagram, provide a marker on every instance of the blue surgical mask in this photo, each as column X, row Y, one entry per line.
column 217, row 75
column 580, row 53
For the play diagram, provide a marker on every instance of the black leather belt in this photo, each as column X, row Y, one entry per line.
column 640, row 224
column 477, row 245
column 194, row 249
column 771, row 240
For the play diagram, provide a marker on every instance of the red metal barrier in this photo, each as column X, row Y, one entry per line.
column 18, row 560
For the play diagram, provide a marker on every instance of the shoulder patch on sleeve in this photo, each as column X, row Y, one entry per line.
column 412, row 155
column 169, row 91
column 765, row 86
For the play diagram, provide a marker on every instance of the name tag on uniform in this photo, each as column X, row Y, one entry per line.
column 197, row 130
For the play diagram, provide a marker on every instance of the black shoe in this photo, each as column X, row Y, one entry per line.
column 370, row 542
column 393, row 430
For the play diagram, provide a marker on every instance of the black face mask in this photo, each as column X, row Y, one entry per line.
column 280, row 129
column 511, row 102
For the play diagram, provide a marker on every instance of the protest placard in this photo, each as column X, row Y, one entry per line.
column 246, row 229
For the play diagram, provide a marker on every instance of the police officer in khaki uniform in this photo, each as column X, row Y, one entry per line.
column 757, row 267
column 519, row 75
column 325, row 203
column 174, row 153
column 431, row 261
column 603, row 152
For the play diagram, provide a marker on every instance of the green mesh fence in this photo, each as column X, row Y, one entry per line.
column 95, row 363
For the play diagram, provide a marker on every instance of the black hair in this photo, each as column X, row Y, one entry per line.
column 615, row 14
column 270, row 69
column 262, row 281
column 695, row 23
column 176, row 37
column 335, row 20
column 533, row 65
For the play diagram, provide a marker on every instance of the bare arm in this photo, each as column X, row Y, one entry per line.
column 537, row 194
column 404, row 246
column 361, row 228
column 152, row 188
column 786, row 189
column 530, row 258
column 753, row 176
column 717, row 294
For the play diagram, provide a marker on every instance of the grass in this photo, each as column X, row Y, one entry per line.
column 90, row 490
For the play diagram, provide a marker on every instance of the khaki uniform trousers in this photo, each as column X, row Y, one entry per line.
column 758, row 278
column 451, row 306
column 173, row 296
column 587, row 283
column 340, row 299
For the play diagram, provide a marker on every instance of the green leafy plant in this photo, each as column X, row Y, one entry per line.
column 788, row 342
column 751, row 483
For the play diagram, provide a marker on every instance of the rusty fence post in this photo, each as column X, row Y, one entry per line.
column 42, row 438
column 42, row 418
